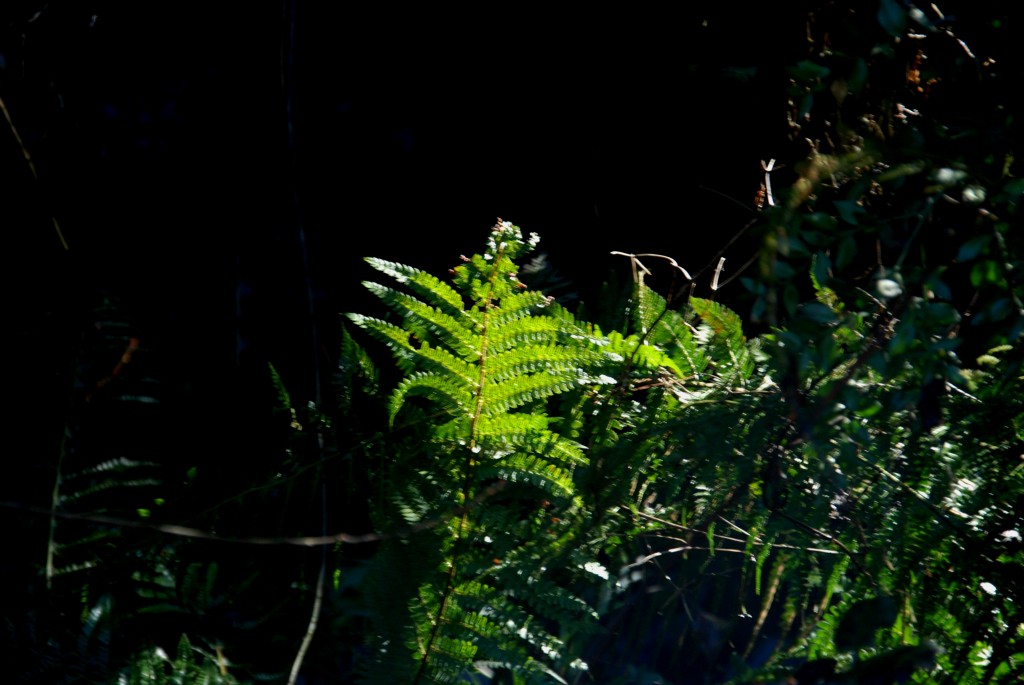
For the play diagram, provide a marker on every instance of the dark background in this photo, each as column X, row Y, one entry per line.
column 160, row 132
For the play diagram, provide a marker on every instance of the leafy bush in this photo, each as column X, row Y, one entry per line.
column 556, row 499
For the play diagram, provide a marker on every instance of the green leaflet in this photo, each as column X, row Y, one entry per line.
column 731, row 352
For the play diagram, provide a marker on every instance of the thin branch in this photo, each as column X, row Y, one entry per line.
column 314, row 617
column 698, row 548
column 756, row 543
column 301, row 541
column 739, row 272
column 831, row 538
column 31, row 167
column 718, row 272
column 634, row 257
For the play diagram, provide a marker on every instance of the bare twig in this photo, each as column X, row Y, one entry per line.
column 644, row 269
column 31, row 167
column 314, row 617
column 718, row 272
column 302, row 541
column 768, row 168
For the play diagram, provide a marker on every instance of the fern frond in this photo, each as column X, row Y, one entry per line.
column 640, row 354
column 355, row 370
column 528, row 432
column 486, row 355
column 452, row 395
column 284, row 399
column 104, row 487
column 427, row 286
column 503, row 396
column 426, row 321
column 531, row 470
column 537, row 331
column 554, row 359
column 394, row 337
column 519, row 305
column 732, row 356
column 667, row 328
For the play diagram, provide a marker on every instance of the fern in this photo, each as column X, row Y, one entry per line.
column 531, row 451
column 188, row 666
column 534, row 428
column 487, row 358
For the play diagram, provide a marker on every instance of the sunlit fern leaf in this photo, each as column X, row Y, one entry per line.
column 668, row 329
column 523, row 468
column 640, row 354
column 731, row 357
column 518, row 306
column 451, row 395
column 424, row 321
column 535, row 331
column 439, row 293
column 441, row 360
column 394, row 337
column 528, row 432
column 648, row 308
column 531, row 358
column 502, row 396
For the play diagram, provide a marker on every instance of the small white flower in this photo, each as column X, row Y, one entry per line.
column 597, row 569
column 948, row 177
column 579, row 665
column 974, row 195
column 888, row 288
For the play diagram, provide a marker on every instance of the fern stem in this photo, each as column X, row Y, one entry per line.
column 51, row 545
column 449, row 588
column 481, row 379
column 467, row 484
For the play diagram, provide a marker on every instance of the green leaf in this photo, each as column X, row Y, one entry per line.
column 818, row 313
column 973, row 247
column 807, row 70
column 892, row 17
column 848, row 210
